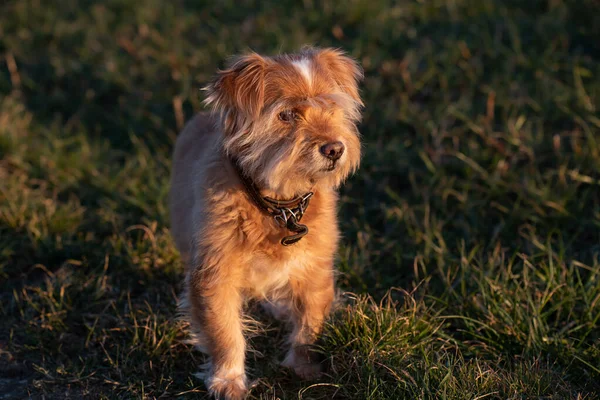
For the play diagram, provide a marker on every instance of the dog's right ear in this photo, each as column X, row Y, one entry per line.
column 240, row 87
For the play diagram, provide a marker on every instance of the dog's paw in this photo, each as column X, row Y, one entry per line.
column 308, row 372
column 227, row 389
column 302, row 366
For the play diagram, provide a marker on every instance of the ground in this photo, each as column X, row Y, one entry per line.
column 470, row 259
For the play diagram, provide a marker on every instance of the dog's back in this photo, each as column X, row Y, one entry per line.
column 194, row 145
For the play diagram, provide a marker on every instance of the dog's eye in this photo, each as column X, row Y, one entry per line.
column 287, row 116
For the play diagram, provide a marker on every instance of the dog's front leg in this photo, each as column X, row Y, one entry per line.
column 216, row 310
column 312, row 299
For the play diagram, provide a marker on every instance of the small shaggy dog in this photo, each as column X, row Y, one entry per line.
column 253, row 202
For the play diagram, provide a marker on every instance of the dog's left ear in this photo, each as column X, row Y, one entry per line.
column 240, row 87
column 344, row 70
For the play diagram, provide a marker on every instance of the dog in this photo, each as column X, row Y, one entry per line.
column 253, row 202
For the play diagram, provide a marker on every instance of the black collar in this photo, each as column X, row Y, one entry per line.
column 287, row 213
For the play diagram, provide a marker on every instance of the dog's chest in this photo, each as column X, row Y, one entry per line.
column 267, row 275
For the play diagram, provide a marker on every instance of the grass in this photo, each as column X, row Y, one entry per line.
column 471, row 250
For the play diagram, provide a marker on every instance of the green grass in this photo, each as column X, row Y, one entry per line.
column 471, row 233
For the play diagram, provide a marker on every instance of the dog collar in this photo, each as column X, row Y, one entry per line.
column 287, row 213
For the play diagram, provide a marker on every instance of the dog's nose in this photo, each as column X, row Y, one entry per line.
column 333, row 150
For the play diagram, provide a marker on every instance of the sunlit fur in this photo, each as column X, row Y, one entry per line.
column 232, row 249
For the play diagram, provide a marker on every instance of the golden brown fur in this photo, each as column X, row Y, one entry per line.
column 232, row 249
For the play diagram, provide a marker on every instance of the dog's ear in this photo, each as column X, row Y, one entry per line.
column 344, row 70
column 240, row 87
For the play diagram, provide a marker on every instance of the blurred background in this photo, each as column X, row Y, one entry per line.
column 471, row 232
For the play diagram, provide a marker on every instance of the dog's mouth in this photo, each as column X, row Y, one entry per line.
column 330, row 167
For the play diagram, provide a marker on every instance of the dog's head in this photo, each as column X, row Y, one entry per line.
column 290, row 120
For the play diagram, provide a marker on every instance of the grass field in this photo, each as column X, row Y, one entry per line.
column 470, row 263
